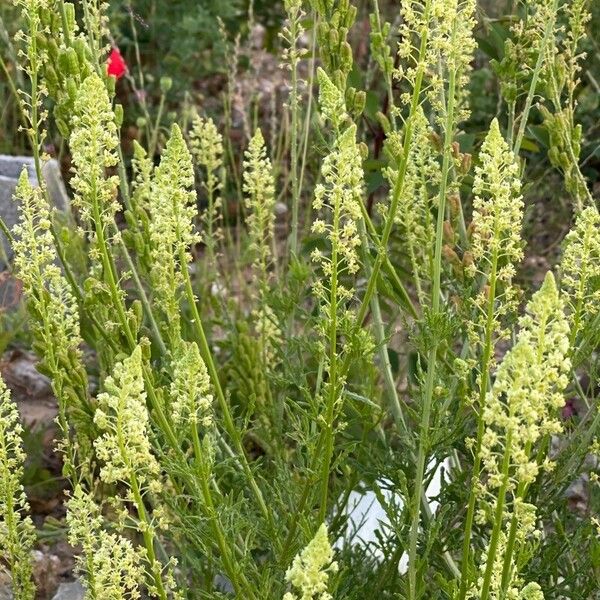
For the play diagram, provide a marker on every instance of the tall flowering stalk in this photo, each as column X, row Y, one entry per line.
column 580, row 268
column 528, row 54
column 520, row 413
column 562, row 77
column 339, row 197
column 414, row 34
column 55, row 322
column 414, row 216
column 172, row 229
column 495, row 250
column 111, row 566
column 173, row 233
column 191, row 404
column 33, row 58
column 293, row 54
column 125, row 452
column 94, row 142
column 452, row 46
column 259, row 187
column 17, row 534
column 206, row 146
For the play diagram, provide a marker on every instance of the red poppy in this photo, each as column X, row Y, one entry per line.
column 115, row 64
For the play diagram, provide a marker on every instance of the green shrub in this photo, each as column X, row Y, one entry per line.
column 252, row 379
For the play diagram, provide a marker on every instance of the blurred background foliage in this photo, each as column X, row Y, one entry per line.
column 178, row 40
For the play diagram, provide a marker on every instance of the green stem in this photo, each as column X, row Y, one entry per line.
column 498, row 520
column 144, row 299
column 294, row 141
column 154, row 140
column 333, row 389
column 483, row 386
column 534, row 81
column 432, row 354
column 380, row 338
column 308, row 114
column 510, row 544
column 108, row 267
column 238, row 580
column 147, row 535
column 229, row 423
column 388, row 268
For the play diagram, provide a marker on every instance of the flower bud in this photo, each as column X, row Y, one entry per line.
column 119, row 114
column 166, row 83
column 63, row 128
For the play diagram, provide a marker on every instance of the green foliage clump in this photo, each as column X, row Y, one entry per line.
column 251, row 337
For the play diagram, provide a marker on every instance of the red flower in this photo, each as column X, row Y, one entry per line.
column 115, row 64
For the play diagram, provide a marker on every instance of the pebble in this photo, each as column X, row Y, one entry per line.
column 70, row 591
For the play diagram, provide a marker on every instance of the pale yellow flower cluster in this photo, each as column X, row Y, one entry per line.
column 32, row 56
column 206, row 146
column 450, row 44
column 520, row 410
column 496, row 243
column 339, row 195
column 114, row 568
column 124, row 447
column 36, row 265
column 331, row 100
column 529, row 32
column 580, row 267
column 16, row 528
column 310, row 570
column 259, row 187
column 414, row 214
column 415, row 21
column 528, row 390
column 143, row 169
column 94, row 142
column 497, row 206
column 337, row 200
column 270, row 333
column 172, row 226
column 98, row 24
column 516, row 589
column 455, row 46
column 191, row 400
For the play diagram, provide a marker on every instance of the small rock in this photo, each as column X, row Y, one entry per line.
column 5, row 593
column 46, row 572
column 11, row 167
column 5, row 589
column 223, row 584
column 280, row 209
column 70, row 591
